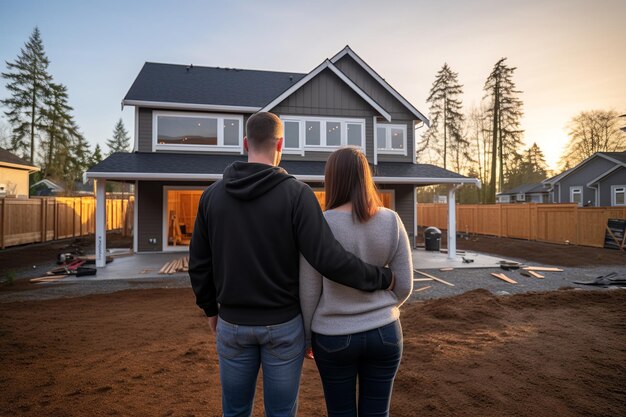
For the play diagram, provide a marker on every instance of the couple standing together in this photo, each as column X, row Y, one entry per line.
column 277, row 277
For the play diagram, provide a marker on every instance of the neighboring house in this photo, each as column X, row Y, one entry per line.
column 14, row 174
column 526, row 193
column 189, row 126
column 599, row 180
column 46, row 187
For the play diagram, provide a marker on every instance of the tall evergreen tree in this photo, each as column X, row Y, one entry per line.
column 447, row 119
column 527, row 168
column 96, row 156
column 505, row 111
column 60, row 131
column 120, row 141
column 28, row 80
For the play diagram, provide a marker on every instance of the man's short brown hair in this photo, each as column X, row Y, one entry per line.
column 263, row 129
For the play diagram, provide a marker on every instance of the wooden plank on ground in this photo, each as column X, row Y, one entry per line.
column 504, row 278
column 434, row 278
column 164, row 269
column 446, row 269
column 536, row 275
column 422, row 288
column 422, row 279
column 542, row 269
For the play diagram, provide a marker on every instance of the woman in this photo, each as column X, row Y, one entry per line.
column 354, row 334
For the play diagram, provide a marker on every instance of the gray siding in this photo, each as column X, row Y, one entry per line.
column 581, row 176
column 150, row 218
column 618, row 177
column 404, row 205
column 399, row 113
column 327, row 95
column 145, row 130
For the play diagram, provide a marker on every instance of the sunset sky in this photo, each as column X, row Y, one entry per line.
column 570, row 55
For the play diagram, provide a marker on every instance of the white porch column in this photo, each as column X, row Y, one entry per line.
column 101, row 232
column 452, row 222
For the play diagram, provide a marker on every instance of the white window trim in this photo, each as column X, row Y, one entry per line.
column 388, row 150
column 571, row 195
column 614, row 193
column 220, row 147
column 322, row 147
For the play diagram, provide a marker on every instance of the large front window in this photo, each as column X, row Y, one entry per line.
column 198, row 131
column 391, row 139
column 322, row 134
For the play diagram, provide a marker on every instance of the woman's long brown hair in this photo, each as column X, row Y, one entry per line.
column 349, row 179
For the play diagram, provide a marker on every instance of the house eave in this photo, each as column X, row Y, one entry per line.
column 189, row 106
column 28, row 168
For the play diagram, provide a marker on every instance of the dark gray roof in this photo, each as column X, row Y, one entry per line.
column 6, row 156
column 209, row 85
column 620, row 156
column 525, row 188
column 178, row 163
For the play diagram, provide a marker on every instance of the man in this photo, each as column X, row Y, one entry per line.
column 244, row 264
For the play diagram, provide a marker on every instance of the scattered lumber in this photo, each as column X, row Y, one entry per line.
column 446, row 269
column 422, row 279
column 503, row 278
column 47, row 278
column 542, row 269
column 175, row 265
column 434, row 278
column 534, row 274
column 458, row 252
column 422, row 288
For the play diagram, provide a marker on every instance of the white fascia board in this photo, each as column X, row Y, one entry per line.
column 618, row 162
column 190, row 106
column 341, row 75
column 29, row 168
column 606, row 173
column 600, row 154
column 347, row 50
column 313, row 178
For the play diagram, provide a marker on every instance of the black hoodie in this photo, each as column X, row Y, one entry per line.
column 250, row 230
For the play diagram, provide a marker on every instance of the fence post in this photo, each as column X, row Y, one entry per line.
column 3, row 222
column 500, row 217
column 42, row 216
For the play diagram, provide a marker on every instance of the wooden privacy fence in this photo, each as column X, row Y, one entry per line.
column 555, row 223
column 42, row 219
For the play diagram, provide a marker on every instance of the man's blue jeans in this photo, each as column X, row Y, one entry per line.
column 372, row 357
column 279, row 349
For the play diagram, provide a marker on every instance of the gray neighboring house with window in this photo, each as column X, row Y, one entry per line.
column 189, row 126
column 526, row 193
column 600, row 180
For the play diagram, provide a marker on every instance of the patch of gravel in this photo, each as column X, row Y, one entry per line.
column 463, row 279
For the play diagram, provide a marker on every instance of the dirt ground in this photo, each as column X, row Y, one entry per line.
column 149, row 353
column 539, row 252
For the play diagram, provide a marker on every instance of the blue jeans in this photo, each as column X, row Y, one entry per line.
column 279, row 349
column 372, row 356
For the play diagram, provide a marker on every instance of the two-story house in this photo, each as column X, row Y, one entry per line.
column 189, row 126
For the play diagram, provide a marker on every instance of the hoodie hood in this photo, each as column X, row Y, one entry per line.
column 247, row 181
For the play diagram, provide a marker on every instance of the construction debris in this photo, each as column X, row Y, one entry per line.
column 446, row 269
column 604, row 280
column 503, row 278
column 176, row 265
column 434, row 278
column 422, row 279
column 542, row 269
column 422, row 288
column 534, row 274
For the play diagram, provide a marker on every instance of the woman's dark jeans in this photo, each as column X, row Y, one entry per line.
column 372, row 356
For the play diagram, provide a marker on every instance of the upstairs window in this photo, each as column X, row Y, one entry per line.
column 322, row 134
column 391, row 139
column 197, row 131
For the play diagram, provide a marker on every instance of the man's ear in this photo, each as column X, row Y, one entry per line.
column 279, row 145
column 245, row 144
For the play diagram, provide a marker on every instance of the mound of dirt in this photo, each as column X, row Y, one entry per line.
column 149, row 353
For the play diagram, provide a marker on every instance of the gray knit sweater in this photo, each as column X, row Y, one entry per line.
column 333, row 309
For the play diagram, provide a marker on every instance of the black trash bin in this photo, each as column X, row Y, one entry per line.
column 432, row 238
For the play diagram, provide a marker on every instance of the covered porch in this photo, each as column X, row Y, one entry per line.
column 168, row 188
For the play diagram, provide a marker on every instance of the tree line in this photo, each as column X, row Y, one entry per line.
column 41, row 127
column 486, row 142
